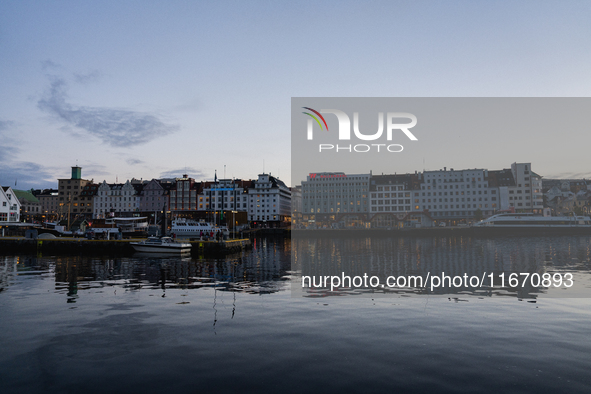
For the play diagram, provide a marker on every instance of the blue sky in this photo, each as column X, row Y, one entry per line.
column 147, row 89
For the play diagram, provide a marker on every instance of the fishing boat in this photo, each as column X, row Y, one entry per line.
column 161, row 245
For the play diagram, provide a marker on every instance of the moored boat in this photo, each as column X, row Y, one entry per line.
column 190, row 228
column 531, row 221
column 161, row 245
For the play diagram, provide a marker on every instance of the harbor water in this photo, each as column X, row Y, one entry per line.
column 96, row 324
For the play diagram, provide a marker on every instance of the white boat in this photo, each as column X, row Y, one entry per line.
column 528, row 220
column 182, row 227
column 161, row 245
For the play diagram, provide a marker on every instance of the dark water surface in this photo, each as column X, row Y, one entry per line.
column 144, row 324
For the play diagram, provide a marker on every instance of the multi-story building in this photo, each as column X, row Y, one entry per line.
column 225, row 201
column 394, row 193
column 49, row 200
column 71, row 207
column 225, row 194
column 183, row 195
column 9, row 206
column 116, row 200
column 335, row 197
column 269, row 202
column 451, row 195
column 392, row 198
column 527, row 194
column 154, row 196
column 87, row 195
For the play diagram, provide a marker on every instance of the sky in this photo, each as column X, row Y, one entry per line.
column 151, row 89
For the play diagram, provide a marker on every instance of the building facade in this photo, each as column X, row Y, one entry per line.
column 154, row 196
column 115, row 200
column 183, row 195
column 70, row 206
column 269, row 202
column 31, row 209
column 49, row 200
column 451, row 195
column 527, row 194
column 335, row 197
column 9, row 206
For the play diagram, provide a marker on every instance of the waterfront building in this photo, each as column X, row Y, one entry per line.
column 154, row 196
column 269, row 202
column 393, row 198
column 225, row 201
column 503, row 180
column 49, row 200
column 87, row 195
column 526, row 195
column 225, row 194
column 9, row 206
column 335, row 198
column 116, row 200
column 70, row 206
column 31, row 209
column 452, row 196
column 183, row 195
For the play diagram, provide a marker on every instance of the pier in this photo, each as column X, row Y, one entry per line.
column 83, row 246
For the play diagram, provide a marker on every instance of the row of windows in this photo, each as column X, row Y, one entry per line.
column 391, row 209
column 480, row 186
column 462, row 206
column 387, row 195
column 337, row 210
column 458, row 199
column 390, row 202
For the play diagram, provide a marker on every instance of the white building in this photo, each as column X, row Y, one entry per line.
column 224, row 194
column 456, row 195
column 119, row 200
column 394, row 193
column 10, row 207
column 269, row 202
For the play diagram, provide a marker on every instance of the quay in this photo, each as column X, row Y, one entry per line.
column 63, row 245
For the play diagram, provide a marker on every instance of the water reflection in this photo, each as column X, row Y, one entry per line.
column 453, row 256
column 261, row 270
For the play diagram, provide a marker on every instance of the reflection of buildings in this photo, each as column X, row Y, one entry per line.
column 261, row 270
column 7, row 269
column 454, row 256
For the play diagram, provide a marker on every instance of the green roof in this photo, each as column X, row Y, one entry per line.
column 24, row 195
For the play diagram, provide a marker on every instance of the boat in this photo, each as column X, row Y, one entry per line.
column 182, row 227
column 133, row 227
column 161, row 245
column 531, row 221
